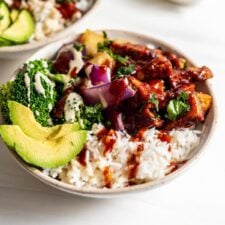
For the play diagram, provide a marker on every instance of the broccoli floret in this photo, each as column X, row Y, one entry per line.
column 40, row 97
column 5, row 95
column 90, row 115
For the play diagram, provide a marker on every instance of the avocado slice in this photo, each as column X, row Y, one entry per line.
column 23, row 117
column 5, row 19
column 4, row 42
column 14, row 14
column 44, row 154
column 22, row 29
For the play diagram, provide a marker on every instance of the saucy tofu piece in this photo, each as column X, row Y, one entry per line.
column 134, row 51
column 205, row 100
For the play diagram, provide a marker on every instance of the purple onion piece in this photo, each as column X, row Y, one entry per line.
column 63, row 57
column 119, row 122
column 111, row 93
column 98, row 74
column 115, row 117
column 64, row 46
column 61, row 63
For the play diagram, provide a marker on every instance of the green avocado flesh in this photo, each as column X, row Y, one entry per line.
column 45, row 154
column 14, row 14
column 21, row 30
column 5, row 17
column 23, row 117
column 4, row 42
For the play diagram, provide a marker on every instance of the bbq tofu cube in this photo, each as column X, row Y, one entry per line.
column 205, row 100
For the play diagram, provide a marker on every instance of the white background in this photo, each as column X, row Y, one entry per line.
column 197, row 197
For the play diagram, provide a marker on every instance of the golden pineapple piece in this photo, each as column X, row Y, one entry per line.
column 103, row 59
column 91, row 39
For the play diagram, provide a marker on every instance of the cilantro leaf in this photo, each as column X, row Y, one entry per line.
column 104, row 34
column 154, row 100
column 125, row 70
column 183, row 96
column 119, row 58
column 78, row 46
column 105, row 47
column 178, row 106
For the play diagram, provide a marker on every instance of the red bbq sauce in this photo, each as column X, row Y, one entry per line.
column 16, row 4
column 67, row 9
column 134, row 162
column 139, row 135
column 73, row 72
column 108, row 138
column 108, row 176
column 176, row 165
column 117, row 89
column 81, row 157
column 164, row 136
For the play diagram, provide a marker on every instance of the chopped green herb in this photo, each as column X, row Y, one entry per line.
column 125, row 70
column 78, row 46
column 178, row 106
column 120, row 59
column 104, row 34
column 183, row 63
column 183, row 96
column 154, row 100
column 105, row 47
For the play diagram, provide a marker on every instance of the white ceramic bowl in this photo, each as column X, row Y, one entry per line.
column 186, row 2
column 206, row 128
column 16, row 51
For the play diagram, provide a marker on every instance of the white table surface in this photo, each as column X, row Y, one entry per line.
column 197, row 197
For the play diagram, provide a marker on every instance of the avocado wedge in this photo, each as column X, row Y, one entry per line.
column 14, row 14
column 4, row 42
column 21, row 30
column 23, row 117
column 5, row 19
column 44, row 154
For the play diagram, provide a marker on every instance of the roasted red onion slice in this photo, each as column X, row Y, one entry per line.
column 98, row 74
column 115, row 117
column 110, row 93
column 61, row 63
column 68, row 60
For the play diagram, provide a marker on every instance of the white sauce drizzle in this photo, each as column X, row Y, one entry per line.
column 72, row 107
column 38, row 84
column 27, row 84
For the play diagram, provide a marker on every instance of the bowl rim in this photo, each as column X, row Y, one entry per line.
column 103, row 193
column 54, row 37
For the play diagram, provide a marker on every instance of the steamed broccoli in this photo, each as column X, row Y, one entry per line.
column 5, row 95
column 90, row 115
column 36, row 92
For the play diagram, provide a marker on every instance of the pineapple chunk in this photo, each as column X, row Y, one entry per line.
column 91, row 39
column 103, row 59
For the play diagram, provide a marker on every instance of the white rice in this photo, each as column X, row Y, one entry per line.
column 156, row 159
column 48, row 19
